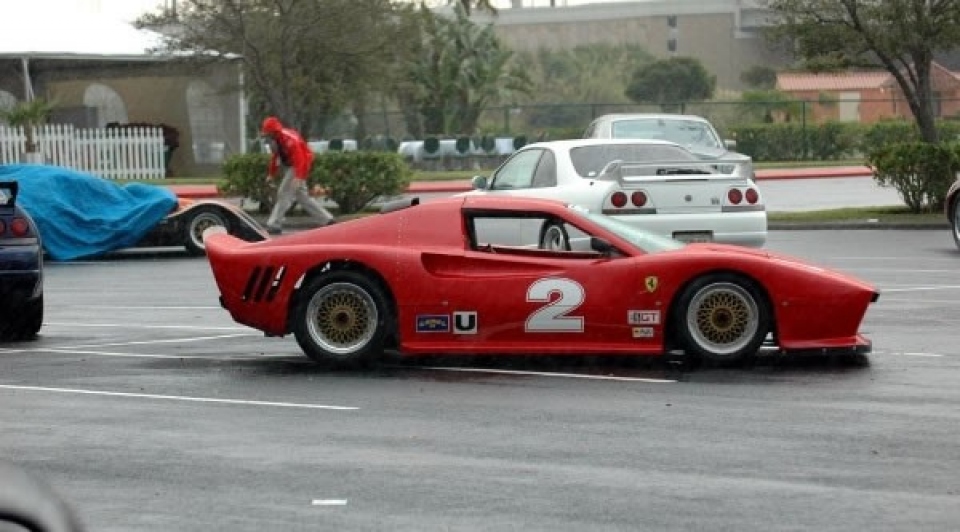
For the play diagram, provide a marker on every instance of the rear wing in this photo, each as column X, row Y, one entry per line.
column 627, row 172
column 8, row 193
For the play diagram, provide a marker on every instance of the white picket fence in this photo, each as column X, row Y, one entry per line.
column 128, row 153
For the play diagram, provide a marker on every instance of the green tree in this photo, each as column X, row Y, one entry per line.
column 763, row 105
column 480, row 5
column 30, row 115
column 303, row 60
column 900, row 36
column 669, row 82
column 462, row 68
column 567, row 83
column 759, row 77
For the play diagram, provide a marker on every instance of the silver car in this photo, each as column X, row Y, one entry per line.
column 693, row 132
column 657, row 185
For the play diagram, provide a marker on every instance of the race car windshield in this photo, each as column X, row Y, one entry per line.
column 688, row 133
column 642, row 239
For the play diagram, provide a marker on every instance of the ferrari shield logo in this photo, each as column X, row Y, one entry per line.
column 651, row 283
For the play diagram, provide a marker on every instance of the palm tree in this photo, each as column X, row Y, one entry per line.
column 30, row 115
column 480, row 5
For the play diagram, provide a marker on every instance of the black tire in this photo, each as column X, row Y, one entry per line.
column 342, row 319
column 722, row 318
column 28, row 502
column 200, row 221
column 25, row 324
column 955, row 219
column 553, row 236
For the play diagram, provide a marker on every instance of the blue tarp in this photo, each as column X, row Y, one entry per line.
column 82, row 215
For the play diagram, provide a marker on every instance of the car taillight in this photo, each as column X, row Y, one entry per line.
column 19, row 227
column 752, row 196
column 639, row 199
column 619, row 199
column 735, row 196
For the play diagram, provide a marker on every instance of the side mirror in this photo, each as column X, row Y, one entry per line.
column 601, row 246
column 479, row 182
column 730, row 144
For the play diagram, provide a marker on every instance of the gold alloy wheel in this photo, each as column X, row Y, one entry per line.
column 723, row 318
column 342, row 318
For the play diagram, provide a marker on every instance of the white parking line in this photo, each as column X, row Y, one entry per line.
column 66, row 351
column 328, row 502
column 162, row 341
column 135, row 326
column 547, row 374
column 918, row 289
column 145, row 307
column 174, row 397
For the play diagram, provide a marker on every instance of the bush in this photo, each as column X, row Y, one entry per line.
column 245, row 176
column 354, row 179
column 920, row 172
column 351, row 179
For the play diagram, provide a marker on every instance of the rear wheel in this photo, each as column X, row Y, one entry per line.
column 342, row 319
column 25, row 324
column 955, row 219
column 722, row 318
column 200, row 221
column 554, row 237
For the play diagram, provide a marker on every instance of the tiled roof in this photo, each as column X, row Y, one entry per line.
column 835, row 81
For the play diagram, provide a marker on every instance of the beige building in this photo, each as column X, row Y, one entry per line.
column 722, row 34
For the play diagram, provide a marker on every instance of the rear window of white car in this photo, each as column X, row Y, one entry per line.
column 590, row 160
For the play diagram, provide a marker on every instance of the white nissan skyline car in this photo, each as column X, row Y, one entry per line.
column 659, row 186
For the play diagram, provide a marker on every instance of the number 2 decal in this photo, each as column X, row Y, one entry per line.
column 553, row 317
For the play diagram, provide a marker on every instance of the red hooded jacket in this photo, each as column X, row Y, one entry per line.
column 292, row 151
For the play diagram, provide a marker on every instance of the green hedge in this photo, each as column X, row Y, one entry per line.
column 920, row 172
column 351, row 179
column 793, row 141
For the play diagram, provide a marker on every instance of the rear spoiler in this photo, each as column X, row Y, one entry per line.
column 8, row 193
column 638, row 172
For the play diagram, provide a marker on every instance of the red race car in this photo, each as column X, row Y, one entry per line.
column 468, row 275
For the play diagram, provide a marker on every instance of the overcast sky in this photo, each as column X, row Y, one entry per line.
column 131, row 9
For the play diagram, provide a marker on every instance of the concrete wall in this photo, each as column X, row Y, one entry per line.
column 151, row 92
column 722, row 34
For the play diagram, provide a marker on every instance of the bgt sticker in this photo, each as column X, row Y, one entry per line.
column 643, row 317
column 430, row 323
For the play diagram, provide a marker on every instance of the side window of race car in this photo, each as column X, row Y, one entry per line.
column 554, row 316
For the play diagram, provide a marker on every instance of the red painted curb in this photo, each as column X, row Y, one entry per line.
column 814, row 173
column 428, row 187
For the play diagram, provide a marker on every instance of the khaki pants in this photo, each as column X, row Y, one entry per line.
column 295, row 190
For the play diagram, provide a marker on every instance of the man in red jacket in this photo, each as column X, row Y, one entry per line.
column 290, row 152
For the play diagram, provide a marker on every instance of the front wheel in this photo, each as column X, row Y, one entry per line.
column 955, row 219
column 342, row 319
column 554, row 237
column 722, row 318
column 199, row 222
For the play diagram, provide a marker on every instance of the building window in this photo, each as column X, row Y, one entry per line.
column 108, row 104
column 7, row 101
column 206, row 123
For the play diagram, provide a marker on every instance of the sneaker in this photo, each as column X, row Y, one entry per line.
column 274, row 230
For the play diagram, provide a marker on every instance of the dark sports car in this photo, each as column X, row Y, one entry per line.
column 184, row 226
column 21, row 269
column 470, row 275
column 81, row 215
column 952, row 208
